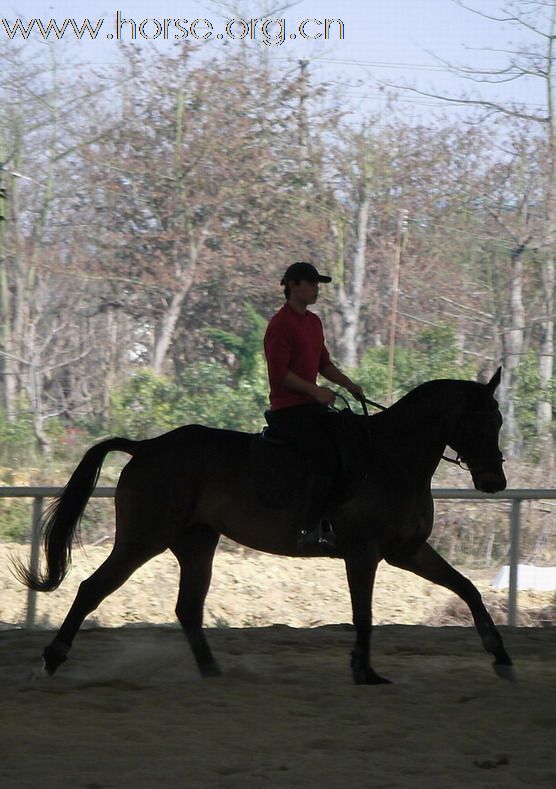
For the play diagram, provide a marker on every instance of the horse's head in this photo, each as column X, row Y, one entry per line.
column 476, row 438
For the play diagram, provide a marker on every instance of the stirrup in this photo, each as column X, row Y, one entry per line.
column 322, row 536
column 327, row 535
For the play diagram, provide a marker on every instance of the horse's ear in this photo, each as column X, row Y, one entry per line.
column 495, row 381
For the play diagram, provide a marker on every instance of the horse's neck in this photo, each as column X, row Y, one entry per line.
column 420, row 428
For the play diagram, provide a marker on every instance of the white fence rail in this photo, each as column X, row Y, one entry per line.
column 516, row 496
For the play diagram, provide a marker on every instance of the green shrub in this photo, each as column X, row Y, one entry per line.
column 17, row 439
column 15, row 519
column 434, row 356
column 526, row 394
column 145, row 405
column 208, row 394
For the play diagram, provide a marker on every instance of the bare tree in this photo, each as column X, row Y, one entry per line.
column 534, row 59
column 40, row 140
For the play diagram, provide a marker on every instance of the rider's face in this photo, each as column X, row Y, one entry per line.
column 305, row 292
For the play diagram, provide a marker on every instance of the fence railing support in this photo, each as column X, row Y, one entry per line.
column 38, row 494
column 515, row 526
column 515, row 495
column 34, row 560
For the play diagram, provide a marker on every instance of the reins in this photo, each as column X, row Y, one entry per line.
column 364, row 402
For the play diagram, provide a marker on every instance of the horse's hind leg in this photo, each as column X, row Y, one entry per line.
column 427, row 563
column 195, row 551
column 111, row 574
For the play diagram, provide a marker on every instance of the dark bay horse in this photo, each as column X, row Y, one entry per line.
column 182, row 490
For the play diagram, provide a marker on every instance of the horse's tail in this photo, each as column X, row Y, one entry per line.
column 62, row 517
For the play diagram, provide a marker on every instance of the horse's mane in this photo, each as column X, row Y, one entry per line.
column 432, row 397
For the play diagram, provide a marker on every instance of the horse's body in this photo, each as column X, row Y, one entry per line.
column 184, row 489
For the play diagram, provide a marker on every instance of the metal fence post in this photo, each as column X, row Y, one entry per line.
column 34, row 561
column 515, row 516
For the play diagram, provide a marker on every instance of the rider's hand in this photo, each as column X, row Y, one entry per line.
column 324, row 395
column 356, row 391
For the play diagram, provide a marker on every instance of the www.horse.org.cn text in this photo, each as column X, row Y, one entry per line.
column 271, row 32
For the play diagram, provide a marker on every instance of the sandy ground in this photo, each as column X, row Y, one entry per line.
column 128, row 709
column 251, row 589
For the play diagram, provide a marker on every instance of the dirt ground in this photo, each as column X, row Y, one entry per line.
column 129, row 709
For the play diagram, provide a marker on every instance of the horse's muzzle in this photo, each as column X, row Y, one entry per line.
column 490, row 481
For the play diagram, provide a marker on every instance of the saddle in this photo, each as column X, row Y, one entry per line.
column 280, row 470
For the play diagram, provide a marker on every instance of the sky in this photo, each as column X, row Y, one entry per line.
column 384, row 41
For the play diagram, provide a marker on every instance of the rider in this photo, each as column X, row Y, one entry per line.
column 295, row 353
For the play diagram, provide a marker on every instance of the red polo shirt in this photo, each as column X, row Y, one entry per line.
column 293, row 342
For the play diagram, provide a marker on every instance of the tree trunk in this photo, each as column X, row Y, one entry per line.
column 546, row 362
column 513, row 342
column 350, row 294
column 546, row 352
column 35, row 394
column 350, row 299
column 167, row 327
column 111, row 362
column 7, row 362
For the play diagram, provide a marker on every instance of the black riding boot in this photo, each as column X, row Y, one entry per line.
column 316, row 531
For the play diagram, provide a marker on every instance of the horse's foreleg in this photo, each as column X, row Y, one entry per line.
column 361, row 571
column 427, row 563
column 195, row 551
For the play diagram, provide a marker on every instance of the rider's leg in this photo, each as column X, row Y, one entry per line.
column 316, row 529
column 307, row 428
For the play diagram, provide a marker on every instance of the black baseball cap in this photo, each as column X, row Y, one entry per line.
column 303, row 271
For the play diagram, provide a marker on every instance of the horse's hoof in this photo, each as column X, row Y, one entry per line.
column 53, row 657
column 505, row 671
column 211, row 670
column 369, row 677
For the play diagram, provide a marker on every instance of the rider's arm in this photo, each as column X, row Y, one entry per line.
column 321, row 394
column 336, row 376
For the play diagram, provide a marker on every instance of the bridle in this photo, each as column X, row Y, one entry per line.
column 462, row 459
column 467, row 461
